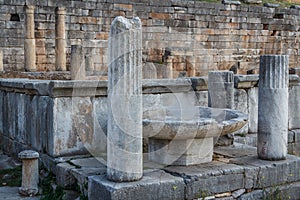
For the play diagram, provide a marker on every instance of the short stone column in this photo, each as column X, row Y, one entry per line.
column 29, row 41
column 30, row 172
column 124, row 126
column 77, row 62
column 220, row 89
column 221, row 95
column 169, row 67
column 273, row 107
column 1, row 61
column 89, row 62
column 60, row 39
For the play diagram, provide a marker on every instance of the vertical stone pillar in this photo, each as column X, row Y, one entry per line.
column 220, row 89
column 190, row 63
column 89, row 62
column 124, row 129
column 30, row 172
column 273, row 107
column 221, row 95
column 169, row 70
column 77, row 62
column 60, row 39
column 29, row 41
column 1, row 61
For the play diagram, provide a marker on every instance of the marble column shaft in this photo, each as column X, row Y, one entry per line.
column 60, row 39
column 124, row 134
column 29, row 41
column 273, row 107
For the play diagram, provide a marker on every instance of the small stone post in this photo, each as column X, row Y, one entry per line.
column 30, row 172
column 169, row 70
column 60, row 39
column 29, row 41
column 1, row 61
column 77, row 63
column 220, row 89
column 273, row 107
column 124, row 126
column 221, row 95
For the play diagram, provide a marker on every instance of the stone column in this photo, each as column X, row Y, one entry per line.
column 77, row 62
column 89, row 62
column 1, row 61
column 30, row 172
column 60, row 39
column 221, row 95
column 124, row 126
column 169, row 69
column 220, row 89
column 29, row 41
column 273, row 107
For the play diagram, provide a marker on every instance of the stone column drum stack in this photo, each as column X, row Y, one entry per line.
column 29, row 41
column 124, row 126
column 273, row 107
column 60, row 39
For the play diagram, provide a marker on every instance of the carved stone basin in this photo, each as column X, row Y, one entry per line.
column 185, row 136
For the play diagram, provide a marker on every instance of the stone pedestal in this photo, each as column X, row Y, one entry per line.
column 30, row 172
column 221, row 95
column 29, row 42
column 60, row 39
column 124, row 127
column 77, row 63
column 273, row 107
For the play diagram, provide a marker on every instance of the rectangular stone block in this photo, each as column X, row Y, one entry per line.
column 294, row 148
column 11, row 116
column 294, row 107
column 21, row 118
column 241, row 104
column 154, row 185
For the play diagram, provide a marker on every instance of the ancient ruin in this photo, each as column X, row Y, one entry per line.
column 152, row 99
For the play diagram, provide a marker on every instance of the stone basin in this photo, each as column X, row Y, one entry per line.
column 185, row 136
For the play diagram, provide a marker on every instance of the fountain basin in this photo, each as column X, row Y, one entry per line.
column 185, row 136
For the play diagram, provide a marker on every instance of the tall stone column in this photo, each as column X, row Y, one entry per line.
column 124, row 128
column 273, row 107
column 220, row 89
column 60, row 39
column 77, row 62
column 29, row 41
column 1, row 61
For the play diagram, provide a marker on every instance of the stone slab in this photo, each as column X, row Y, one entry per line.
column 294, row 107
column 166, row 86
column 154, row 185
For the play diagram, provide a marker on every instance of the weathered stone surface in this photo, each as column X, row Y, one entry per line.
column 124, row 126
column 166, row 86
column 30, row 172
column 154, row 185
column 29, row 42
column 241, row 104
column 149, row 71
column 272, row 104
column 60, row 39
column 253, row 109
column 64, row 178
column 202, row 98
column 294, row 107
column 1, row 60
column 77, row 63
column 245, row 81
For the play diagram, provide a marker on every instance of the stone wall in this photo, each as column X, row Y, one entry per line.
column 192, row 36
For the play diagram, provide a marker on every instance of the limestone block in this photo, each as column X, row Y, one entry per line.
column 33, row 115
column 43, row 121
column 149, row 71
column 294, row 148
column 154, row 185
column 181, row 152
column 253, row 109
column 64, row 178
column 294, row 107
column 202, row 98
column 11, row 116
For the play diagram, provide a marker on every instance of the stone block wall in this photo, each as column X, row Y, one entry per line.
column 191, row 35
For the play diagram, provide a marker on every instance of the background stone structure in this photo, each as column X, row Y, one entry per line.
column 193, row 36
